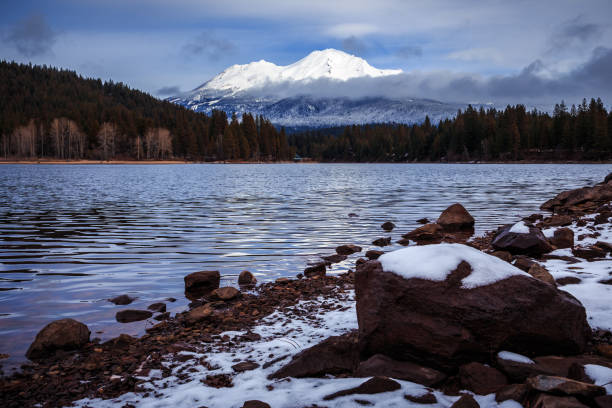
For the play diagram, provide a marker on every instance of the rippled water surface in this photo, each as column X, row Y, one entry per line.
column 72, row 236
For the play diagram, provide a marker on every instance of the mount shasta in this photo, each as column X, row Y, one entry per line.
column 326, row 88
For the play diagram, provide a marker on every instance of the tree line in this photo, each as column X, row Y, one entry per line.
column 52, row 113
column 582, row 132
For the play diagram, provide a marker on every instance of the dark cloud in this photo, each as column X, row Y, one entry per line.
column 32, row 36
column 168, row 91
column 409, row 51
column 574, row 32
column 529, row 86
column 354, row 45
column 207, row 44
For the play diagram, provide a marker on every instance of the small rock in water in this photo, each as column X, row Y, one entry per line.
column 170, row 299
column 456, row 218
column 64, row 334
column 423, row 221
column 373, row 254
column 348, row 249
column 388, row 226
column 157, row 307
column 131, row 315
column 122, row 300
column 315, row 270
column 335, row 258
column 353, row 215
column 203, row 280
column 382, row 241
column 246, row 278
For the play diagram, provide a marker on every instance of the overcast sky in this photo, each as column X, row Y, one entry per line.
column 509, row 51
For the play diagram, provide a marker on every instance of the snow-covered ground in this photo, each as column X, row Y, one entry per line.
column 286, row 334
column 596, row 297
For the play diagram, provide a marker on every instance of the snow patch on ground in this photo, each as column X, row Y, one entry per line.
column 520, row 228
column 601, row 375
column 519, row 358
column 594, row 296
column 435, row 262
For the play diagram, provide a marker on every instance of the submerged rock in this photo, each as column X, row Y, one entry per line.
column 157, row 307
column 382, row 241
column 348, row 249
column 132, row 315
column 335, row 258
column 64, row 334
column 315, row 270
column 246, row 278
column 122, row 300
column 443, row 324
column 388, row 226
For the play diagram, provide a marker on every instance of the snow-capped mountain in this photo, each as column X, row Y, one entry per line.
column 292, row 95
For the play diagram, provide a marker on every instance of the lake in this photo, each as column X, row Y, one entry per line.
column 72, row 236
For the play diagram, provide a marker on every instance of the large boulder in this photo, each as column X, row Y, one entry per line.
column 456, row 218
column 580, row 200
column 448, row 304
column 64, row 334
column 521, row 239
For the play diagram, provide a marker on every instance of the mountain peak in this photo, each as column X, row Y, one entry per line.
column 329, row 63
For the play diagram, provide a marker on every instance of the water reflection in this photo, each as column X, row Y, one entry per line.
column 73, row 236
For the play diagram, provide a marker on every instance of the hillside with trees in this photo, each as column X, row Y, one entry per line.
column 579, row 133
column 51, row 113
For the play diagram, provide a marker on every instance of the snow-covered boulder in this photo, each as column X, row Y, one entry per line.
column 521, row 238
column 449, row 304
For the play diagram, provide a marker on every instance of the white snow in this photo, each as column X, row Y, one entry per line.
column 435, row 262
column 601, row 375
column 549, row 232
column 329, row 63
column 520, row 228
column 594, row 296
column 510, row 356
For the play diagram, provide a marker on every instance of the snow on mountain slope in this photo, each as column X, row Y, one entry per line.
column 292, row 95
column 329, row 63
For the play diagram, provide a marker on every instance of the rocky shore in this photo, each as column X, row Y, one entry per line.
column 518, row 317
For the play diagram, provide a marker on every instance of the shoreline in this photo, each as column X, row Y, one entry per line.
column 167, row 162
column 173, row 347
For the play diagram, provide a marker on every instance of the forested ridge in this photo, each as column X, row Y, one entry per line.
column 582, row 132
column 48, row 112
column 52, row 113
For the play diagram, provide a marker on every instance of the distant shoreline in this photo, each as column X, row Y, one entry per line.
column 156, row 162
